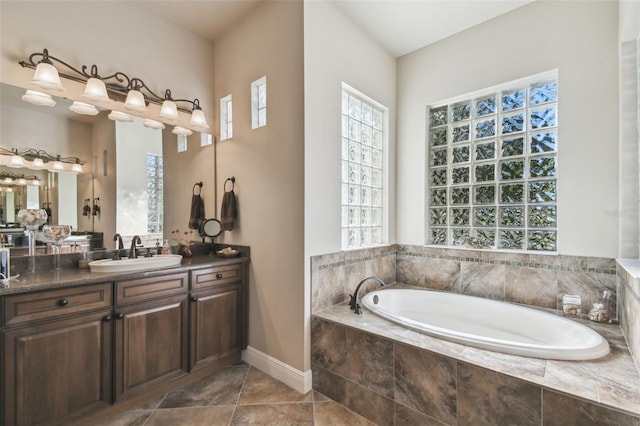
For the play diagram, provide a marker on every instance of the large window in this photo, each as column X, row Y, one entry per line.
column 155, row 189
column 491, row 172
column 363, row 170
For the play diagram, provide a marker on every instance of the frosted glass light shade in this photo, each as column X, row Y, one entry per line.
column 198, row 119
column 57, row 165
column 84, row 109
column 38, row 163
column 22, row 181
column 169, row 110
column 8, row 180
column 47, row 77
column 38, row 98
column 181, row 131
column 76, row 168
column 16, row 161
column 36, row 182
column 120, row 116
column 152, row 124
column 96, row 91
column 135, row 101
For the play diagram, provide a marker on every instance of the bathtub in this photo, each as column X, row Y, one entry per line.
column 487, row 324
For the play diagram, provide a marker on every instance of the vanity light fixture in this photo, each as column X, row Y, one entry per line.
column 58, row 166
column 46, row 75
column 16, row 160
column 135, row 99
column 198, row 119
column 77, row 167
column 120, row 116
column 177, row 130
column 38, row 163
column 97, row 89
column 38, row 98
column 152, row 124
column 10, row 178
column 38, row 159
column 83, row 109
column 169, row 110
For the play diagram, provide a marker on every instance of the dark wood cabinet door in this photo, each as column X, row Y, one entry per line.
column 216, row 324
column 57, row 370
column 151, row 342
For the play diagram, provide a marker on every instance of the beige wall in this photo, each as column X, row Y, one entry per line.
column 104, row 183
column 268, row 164
column 580, row 40
column 337, row 51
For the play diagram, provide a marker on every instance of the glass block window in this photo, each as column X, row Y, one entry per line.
column 363, row 170
column 155, row 191
column 492, row 168
column 226, row 118
column 259, row 103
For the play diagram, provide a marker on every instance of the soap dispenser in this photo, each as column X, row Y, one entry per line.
column 166, row 248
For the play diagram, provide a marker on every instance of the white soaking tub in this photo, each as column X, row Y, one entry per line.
column 487, row 324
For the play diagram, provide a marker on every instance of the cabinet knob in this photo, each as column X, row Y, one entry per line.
column 219, row 275
column 194, row 299
column 107, row 318
column 63, row 302
column 119, row 316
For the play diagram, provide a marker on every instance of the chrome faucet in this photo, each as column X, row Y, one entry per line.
column 353, row 302
column 119, row 247
column 132, row 253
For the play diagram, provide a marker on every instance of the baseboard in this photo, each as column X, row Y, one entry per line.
column 292, row 377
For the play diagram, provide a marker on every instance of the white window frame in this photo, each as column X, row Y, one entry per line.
column 258, row 109
column 226, row 117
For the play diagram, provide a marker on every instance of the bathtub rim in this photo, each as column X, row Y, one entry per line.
column 596, row 351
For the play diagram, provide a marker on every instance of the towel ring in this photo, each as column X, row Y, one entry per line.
column 232, row 179
column 198, row 184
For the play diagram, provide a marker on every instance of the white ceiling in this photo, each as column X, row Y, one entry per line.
column 400, row 26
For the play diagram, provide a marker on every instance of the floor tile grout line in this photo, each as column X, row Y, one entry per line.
column 235, row 406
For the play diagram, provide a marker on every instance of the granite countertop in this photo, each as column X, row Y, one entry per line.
column 612, row 380
column 66, row 277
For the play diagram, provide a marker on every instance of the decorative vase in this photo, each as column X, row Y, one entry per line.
column 185, row 250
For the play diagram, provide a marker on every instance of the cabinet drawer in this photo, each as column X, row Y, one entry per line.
column 25, row 307
column 139, row 290
column 215, row 276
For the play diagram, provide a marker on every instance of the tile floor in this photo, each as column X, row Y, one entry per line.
column 239, row 395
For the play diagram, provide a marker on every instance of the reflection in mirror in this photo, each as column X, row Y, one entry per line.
column 114, row 194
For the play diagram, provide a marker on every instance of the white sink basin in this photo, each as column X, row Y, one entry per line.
column 138, row 264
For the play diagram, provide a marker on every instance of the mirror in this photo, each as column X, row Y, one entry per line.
column 121, row 187
column 210, row 228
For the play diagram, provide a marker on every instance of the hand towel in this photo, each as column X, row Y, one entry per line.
column 197, row 212
column 228, row 213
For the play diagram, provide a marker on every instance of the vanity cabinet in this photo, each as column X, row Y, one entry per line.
column 151, row 332
column 57, row 354
column 83, row 353
column 217, row 315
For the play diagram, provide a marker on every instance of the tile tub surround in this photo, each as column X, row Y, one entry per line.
column 629, row 301
column 531, row 279
column 334, row 276
column 364, row 361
